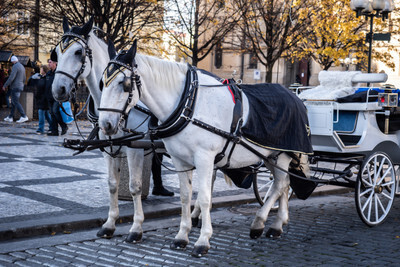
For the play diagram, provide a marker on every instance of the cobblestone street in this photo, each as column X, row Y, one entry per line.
column 322, row 231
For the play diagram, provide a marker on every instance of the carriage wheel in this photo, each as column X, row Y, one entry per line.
column 375, row 189
column 262, row 184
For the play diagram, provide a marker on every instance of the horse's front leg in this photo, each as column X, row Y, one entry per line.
column 205, row 171
column 196, row 214
column 279, row 191
column 113, row 170
column 135, row 159
column 185, row 183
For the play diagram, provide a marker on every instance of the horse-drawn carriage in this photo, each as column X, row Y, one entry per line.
column 356, row 141
column 198, row 130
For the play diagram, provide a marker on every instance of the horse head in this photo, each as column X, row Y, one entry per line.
column 73, row 56
column 120, row 87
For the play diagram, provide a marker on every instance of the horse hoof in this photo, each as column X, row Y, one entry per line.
column 134, row 238
column 273, row 233
column 179, row 244
column 105, row 233
column 199, row 251
column 256, row 233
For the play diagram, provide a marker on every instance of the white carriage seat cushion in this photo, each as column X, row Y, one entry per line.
column 333, row 84
column 370, row 78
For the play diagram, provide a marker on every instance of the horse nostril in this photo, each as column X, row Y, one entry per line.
column 62, row 90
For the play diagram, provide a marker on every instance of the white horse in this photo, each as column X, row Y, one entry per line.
column 82, row 55
column 160, row 85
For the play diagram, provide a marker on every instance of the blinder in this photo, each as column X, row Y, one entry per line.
column 127, row 84
column 83, row 56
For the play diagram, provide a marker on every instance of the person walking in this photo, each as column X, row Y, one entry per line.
column 16, row 83
column 54, row 106
column 41, row 100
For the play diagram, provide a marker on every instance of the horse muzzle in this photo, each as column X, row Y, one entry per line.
column 108, row 128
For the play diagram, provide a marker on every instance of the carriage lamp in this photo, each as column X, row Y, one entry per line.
column 371, row 9
column 388, row 100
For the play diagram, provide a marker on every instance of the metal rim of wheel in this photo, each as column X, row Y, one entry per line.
column 262, row 189
column 397, row 168
column 375, row 189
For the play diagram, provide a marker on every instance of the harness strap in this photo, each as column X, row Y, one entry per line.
column 237, row 120
column 183, row 113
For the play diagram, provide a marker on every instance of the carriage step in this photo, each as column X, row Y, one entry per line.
column 345, row 172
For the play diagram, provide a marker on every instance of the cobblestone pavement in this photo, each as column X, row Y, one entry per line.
column 323, row 231
column 43, row 187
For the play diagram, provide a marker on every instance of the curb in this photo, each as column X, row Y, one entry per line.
column 69, row 224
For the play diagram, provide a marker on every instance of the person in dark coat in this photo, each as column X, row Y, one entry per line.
column 40, row 97
column 54, row 106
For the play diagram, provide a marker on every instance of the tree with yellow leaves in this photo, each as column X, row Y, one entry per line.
column 334, row 33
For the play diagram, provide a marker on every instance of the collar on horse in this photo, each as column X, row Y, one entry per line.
column 182, row 114
column 65, row 44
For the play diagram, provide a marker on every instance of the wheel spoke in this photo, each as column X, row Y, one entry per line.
column 388, row 184
column 367, row 202
column 387, row 196
column 380, row 167
column 384, row 175
column 366, row 191
column 380, row 204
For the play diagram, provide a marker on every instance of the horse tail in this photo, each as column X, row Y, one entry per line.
column 304, row 165
column 228, row 180
column 300, row 163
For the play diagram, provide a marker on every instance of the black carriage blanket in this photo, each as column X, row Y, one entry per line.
column 277, row 119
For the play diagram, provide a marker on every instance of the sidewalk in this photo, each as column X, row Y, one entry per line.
column 45, row 190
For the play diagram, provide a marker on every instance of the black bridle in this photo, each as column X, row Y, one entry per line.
column 130, row 85
column 86, row 52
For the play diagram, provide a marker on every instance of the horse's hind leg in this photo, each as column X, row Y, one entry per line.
column 282, row 217
column 279, row 190
column 135, row 164
column 113, row 168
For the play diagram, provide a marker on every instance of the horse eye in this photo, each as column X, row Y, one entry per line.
column 78, row 52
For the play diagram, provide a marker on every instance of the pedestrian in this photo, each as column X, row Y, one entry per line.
column 158, row 188
column 16, row 83
column 41, row 100
column 2, row 91
column 54, row 106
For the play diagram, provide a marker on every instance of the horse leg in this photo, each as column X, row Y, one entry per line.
column 185, row 183
column 135, row 164
column 280, row 185
column 196, row 214
column 113, row 169
column 205, row 173
column 282, row 217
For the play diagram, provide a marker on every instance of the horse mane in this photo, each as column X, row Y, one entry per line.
column 161, row 69
column 101, row 42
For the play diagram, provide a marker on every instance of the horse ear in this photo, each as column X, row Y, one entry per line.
column 87, row 27
column 111, row 49
column 132, row 52
column 65, row 25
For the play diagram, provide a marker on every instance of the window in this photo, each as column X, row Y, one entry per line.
column 218, row 55
column 253, row 61
column 23, row 23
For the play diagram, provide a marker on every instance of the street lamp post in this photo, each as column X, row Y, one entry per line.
column 371, row 9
